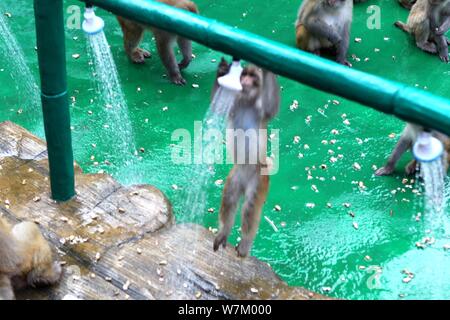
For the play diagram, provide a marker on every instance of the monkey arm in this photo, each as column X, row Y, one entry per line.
column 321, row 29
column 271, row 95
column 443, row 28
column 402, row 146
column 342, row 47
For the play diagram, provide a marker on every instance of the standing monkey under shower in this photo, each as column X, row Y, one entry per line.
column 254, row 106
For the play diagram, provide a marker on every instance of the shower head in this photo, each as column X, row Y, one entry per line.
column 232, row 80
column 92, row 24
column 427, row 148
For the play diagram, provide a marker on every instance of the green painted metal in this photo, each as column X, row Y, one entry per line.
column 55, row 105
column 407, row 103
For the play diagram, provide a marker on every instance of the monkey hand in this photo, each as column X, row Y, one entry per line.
column 439, row 31
column 139, row 55
column 385, row 171
column 411, row 168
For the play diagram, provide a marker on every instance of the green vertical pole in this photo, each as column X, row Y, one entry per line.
column 49, row 17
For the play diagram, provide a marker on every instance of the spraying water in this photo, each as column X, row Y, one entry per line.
column 203, row 171
column 434, row 185
column 119, row 132
column 13, row 56
column 428, row 151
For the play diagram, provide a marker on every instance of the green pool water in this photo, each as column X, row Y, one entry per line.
column 318, row 248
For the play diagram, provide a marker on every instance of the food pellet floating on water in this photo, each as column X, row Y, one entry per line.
column 195, row 86
column 355, row 225
column 8, row 15
column 37, row 199
column 76, row 55
column 121, row 210
column 254, row 290
column 358, row 40
column 277, row 208
column 198, row 295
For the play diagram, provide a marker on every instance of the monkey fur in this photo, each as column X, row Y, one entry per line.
column 324, row 25
column 406, row 142
column 252, row 109
column 428, row 21
column 26, row 259
column 133, row 33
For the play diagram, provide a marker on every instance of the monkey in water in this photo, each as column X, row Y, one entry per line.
column 133, row 33
column 428, row 21
column 26, row 259
column 325, row 25
column 406, row 142
column 253, row 107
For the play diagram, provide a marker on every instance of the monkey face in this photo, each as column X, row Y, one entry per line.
column 250, row 79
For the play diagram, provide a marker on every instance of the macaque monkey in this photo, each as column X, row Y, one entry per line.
column 325, row 25
column 25, row 259
column 428, row 21
column 133, row 33
column 253, row 107
column 406, row 142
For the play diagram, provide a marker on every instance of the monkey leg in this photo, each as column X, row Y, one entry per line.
column 255, row 196
column 132, row 37
column 230, row 199
column 6, row 290
column 401, row 147
column 421, row 35
column 167, row 55
column 185, row 46
column 342, row 47
column 442, row 48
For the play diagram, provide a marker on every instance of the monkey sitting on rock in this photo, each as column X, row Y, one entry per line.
column 252, row 109
column 428, row 22
column 325, row 25
column 133, row 33
column 26, row 259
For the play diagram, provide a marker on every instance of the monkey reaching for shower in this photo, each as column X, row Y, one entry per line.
column 253, row 107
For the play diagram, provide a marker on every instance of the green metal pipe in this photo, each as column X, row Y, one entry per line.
column 55, row 105
column 407, row 103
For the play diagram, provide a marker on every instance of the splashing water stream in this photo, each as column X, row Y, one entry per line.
column 25, row 85
column 434, row 186
column 119, row 131
column 203, row 170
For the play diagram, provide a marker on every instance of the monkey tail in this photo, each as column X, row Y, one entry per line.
column 402, row 26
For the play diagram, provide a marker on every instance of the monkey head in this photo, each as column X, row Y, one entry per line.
column 251, row 81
